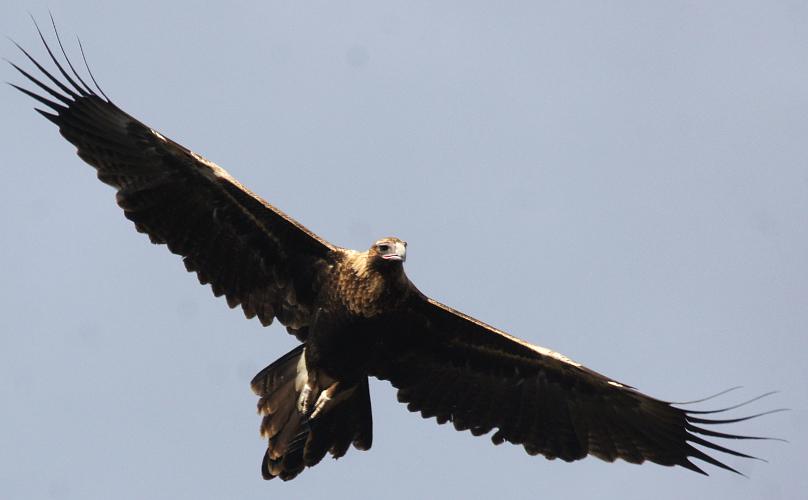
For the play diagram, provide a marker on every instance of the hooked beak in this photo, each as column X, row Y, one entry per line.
column 400, row 253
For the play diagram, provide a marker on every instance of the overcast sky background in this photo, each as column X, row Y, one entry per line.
column 624, row 182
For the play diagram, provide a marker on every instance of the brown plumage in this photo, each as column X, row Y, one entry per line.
column 357, row 315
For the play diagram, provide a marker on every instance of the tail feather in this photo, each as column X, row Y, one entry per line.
column 337, row 430
column 307, row 414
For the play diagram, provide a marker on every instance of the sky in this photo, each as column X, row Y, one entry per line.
column 623, row 182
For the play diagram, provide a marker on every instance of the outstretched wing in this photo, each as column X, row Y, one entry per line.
column 455, row 368
column 249, row 251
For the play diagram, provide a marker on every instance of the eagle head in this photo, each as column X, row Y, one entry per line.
column 388, row 250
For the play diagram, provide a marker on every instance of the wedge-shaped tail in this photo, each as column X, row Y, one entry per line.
column 306, row 414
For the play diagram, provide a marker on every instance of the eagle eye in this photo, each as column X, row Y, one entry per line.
column 383, row 247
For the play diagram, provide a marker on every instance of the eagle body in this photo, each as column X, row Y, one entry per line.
column 326, row 380
column 358, row 293
column 357, row 315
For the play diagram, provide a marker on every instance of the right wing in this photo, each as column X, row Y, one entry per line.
column 248, row 250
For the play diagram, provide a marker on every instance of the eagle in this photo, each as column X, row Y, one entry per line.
column 356, row 314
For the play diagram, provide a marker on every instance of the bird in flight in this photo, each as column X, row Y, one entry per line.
column 356, row 314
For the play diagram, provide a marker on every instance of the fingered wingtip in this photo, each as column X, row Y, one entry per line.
column 74, row 86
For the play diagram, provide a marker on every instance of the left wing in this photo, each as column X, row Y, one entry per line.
column 455, row 368
column 248, row 250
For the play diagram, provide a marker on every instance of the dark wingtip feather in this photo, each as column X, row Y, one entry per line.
column 724, row 435
column 90, row 72
column 696, row 453
column 39, row 98
column 687, row 464
column 86, row 88
column 708, row 398
column 722, row 449
column 49, row 116
column 733, row 407
column 730, row 420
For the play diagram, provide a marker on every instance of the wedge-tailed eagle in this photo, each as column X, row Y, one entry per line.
column 356, row 314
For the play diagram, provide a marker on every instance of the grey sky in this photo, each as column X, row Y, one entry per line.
column 624, row 182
